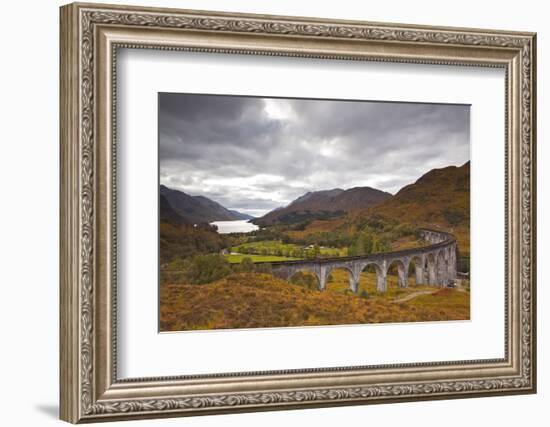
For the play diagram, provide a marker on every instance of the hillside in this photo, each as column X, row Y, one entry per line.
column 168, row 214
column 197, row 209
column 324, row 204
column 251, row 300
column 183, row 241
column 439, row 199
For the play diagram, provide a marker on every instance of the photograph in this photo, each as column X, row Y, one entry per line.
column 292, row 212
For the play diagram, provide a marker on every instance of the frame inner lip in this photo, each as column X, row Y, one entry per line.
column 339, row 370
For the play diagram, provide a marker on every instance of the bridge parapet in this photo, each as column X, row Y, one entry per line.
column 435, row 264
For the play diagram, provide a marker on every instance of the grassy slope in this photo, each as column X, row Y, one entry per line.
column 249, row 300
column 272, row 245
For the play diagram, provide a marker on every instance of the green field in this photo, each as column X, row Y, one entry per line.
column 287, row 250
column 237, row 258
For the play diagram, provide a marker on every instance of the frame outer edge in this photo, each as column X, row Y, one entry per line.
column 533, row 209
column 69, row 354
column 77, row 343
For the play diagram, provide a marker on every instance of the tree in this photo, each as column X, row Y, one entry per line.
column 316, row 250
column 375, row 244
column 352, row 249
column 368, row 240
column 360, row 245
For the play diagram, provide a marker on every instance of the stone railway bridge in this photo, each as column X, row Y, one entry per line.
column 435, row 264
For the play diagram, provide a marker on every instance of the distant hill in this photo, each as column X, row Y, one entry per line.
column 241, row 215
column 324, row 204
column 316, row 199
column 196, row 209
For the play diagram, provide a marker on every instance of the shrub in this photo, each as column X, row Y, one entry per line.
column 405, row 230
column 306, row 280
column 246, row 265
column 205, row 226
column 174, row 272
column 464, row 264
column 207, row 268
column 453, row 216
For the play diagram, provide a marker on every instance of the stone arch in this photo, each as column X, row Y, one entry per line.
column 402, row 269
column 442, row 268
column 419, row 264
column 380, row 270
column 431, row 267
column 352, row 279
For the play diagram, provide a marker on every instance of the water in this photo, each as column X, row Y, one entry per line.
column 240, row 226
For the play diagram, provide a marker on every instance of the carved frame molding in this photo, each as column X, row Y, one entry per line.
column 90, row 36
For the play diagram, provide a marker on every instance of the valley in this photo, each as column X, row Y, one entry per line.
column 198, row 259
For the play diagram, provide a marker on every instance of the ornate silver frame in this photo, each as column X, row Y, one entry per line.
column 90, row 36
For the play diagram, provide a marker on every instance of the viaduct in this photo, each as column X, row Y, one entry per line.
column 435, row 264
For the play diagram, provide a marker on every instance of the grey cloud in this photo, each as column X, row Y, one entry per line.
column 234, row 150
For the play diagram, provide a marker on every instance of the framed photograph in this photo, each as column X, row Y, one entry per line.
column 267, row 212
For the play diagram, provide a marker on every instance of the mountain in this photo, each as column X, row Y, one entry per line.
column 316, row 197
column 324, row 204
column 196, row 209
column 241, row 215
column 168, row 214
column 440, row 197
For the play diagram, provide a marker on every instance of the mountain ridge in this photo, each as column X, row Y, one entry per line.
column 194, row 209
column 241, row 215
column 324, row 204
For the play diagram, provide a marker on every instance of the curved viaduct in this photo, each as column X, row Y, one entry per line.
column 435, row 264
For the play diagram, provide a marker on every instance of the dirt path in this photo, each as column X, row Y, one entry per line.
column 414, row 295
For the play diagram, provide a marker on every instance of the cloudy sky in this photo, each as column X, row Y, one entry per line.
column 256, row 154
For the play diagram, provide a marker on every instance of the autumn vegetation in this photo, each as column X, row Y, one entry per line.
column 214, row 281
column 256, row 300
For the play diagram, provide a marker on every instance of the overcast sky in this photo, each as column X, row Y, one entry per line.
column 256, row 154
